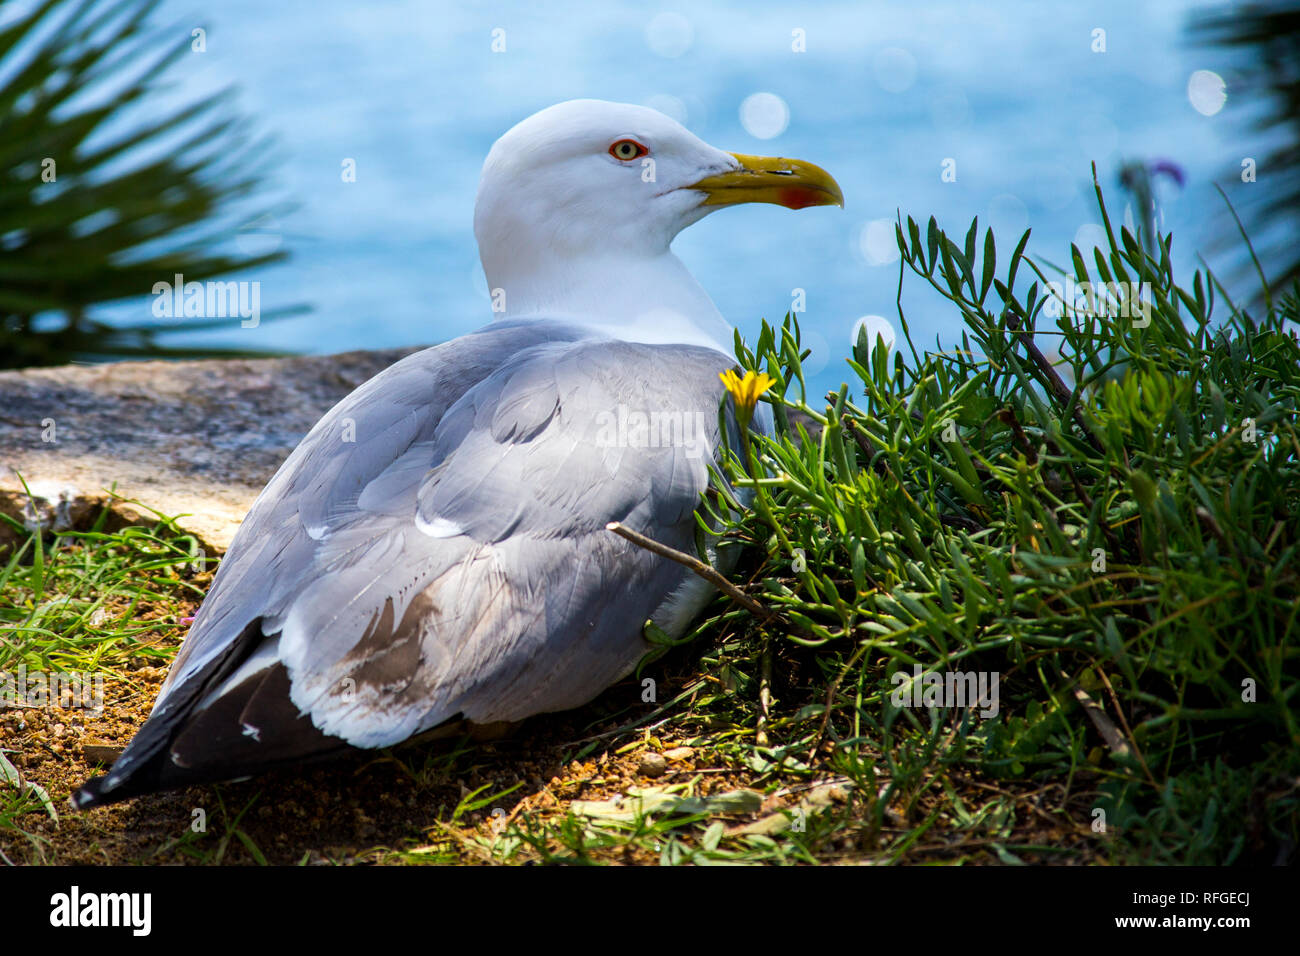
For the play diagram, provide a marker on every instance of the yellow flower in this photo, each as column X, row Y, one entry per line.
column 746, row 391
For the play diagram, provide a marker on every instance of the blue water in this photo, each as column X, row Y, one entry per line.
column 882, row 95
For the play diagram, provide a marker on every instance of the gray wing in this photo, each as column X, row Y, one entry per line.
column 359, row 442
column 436, row 546
column 475, row 577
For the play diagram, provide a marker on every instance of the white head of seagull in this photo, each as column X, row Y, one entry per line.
column 578, row 206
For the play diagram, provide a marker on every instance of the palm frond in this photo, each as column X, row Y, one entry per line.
column 97, row 201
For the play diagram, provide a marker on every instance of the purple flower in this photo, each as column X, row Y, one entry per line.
column 1169, row 168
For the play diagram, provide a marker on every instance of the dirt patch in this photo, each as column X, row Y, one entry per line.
column 340, row 811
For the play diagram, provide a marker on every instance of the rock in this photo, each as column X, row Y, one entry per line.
column 194, row 438
column 101, row 753
column 652, row 765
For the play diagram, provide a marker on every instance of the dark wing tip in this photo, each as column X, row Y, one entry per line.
column 214, row 745
column 100, row 791
column 91, row 794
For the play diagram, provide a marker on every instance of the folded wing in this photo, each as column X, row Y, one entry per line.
column 436, row 548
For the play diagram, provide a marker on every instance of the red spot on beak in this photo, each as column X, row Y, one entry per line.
column 798, row 197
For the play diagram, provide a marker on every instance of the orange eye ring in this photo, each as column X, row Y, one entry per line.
column 626, row 150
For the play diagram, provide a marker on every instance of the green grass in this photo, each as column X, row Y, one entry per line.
column 1097, row 528
column 94, row 600
column 91, row 602
column 1119, row 522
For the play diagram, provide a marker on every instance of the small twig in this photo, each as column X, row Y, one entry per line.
column 1057, row 384
column 957, row 521
column 1119, row 745
column 1007, row 416
column 764, row 694
column 1207, row 519
column 1054, row 380
column 699, row 567
column 1119, row 711
column 863, row 442
column 1109, row 732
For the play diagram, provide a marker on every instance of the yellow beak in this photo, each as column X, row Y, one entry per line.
column 786, row 182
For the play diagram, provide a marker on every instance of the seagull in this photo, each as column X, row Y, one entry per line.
column 435, row 551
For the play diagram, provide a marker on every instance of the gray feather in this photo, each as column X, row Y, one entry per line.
column 453, row 558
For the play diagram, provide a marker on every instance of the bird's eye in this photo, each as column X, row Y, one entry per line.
column 628, row 149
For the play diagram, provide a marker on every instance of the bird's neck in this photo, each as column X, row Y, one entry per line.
column 634, row 298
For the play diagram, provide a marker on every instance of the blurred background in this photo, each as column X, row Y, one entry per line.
column 215, row 140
